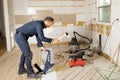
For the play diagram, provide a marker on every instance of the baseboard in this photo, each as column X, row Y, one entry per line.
column 45, row 44
column 108, row 57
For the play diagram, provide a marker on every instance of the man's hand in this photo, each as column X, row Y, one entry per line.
column 42, row 49
column 54, row 41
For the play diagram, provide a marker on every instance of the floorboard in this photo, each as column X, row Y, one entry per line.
column 10, row 60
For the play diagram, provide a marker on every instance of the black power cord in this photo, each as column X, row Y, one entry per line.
column 109, row 33
column 74, row 32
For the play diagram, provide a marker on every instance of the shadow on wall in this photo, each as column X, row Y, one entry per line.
column 1, row 36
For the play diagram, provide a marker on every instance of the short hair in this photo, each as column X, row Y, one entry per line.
column 48, row 18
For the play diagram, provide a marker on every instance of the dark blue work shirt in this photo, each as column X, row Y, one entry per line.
column 34, row 28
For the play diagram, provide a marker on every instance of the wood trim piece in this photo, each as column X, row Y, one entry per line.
column 45, row 44
column 60, row 6
column 64, row 23
column 71, row 13
column 56, row 0
column 100, row 28
column 106, row 56
column 78, row 13
column 80, row 23
column 91, row 27
column 107, row 27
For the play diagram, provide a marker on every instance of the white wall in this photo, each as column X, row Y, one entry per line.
column 91, row 13
column 113, row 39
column 64, row 7
column 115, row 13
column 20, row 7
column 56, row 32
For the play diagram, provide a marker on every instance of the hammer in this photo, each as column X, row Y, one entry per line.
column 65, row 35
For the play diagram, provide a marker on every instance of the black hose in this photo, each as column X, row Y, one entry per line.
column 74, row 32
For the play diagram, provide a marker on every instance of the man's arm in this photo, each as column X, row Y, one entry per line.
column 39, row 42
column 40, row 36
column 40, row 33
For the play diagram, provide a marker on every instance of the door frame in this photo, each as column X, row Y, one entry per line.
column 6, row 25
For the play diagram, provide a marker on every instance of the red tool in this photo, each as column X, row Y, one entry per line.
column 76, row 59
column 78, row 62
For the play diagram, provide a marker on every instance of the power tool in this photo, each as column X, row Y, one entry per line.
column 48, row 64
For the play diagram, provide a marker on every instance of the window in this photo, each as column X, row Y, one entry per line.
column 104, row 10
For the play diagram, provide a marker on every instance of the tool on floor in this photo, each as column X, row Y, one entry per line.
column 76, row 59
column 38, row 68
column 78, row 62
column 76, row 44
column 48, row 64
column 65, row 35
column 76, row 53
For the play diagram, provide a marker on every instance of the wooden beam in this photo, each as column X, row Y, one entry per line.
column 60, row 6
column 56, row 0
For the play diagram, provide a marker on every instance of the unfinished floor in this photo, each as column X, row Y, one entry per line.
column 2, row 46
column 10, row 60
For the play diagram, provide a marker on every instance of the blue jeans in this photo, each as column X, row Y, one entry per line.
column 26, row 56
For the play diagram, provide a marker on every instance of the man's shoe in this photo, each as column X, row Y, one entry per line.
column 22, row 71
column 33, row 75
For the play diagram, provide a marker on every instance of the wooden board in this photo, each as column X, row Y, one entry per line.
column 21, row 19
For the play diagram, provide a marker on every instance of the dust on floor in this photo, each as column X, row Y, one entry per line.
column 10, row 60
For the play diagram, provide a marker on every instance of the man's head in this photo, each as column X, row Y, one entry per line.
column 48, row 21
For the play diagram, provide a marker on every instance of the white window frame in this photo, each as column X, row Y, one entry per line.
column 100, row 7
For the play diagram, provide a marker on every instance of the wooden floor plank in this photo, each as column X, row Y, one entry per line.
column 2, row 47
column 9, row 63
